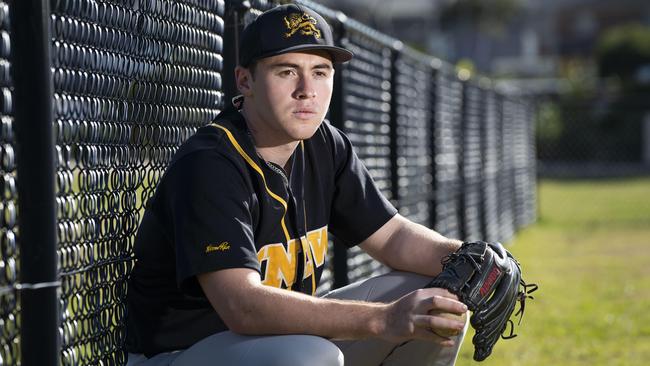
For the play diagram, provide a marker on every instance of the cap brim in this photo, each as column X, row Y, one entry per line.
column 339, row 54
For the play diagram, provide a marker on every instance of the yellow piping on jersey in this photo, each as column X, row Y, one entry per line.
column 306, row 248
column 258, row 170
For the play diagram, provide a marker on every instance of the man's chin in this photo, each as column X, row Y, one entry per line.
column 305, row 132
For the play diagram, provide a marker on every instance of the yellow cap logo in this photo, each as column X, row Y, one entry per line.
column 304, row 23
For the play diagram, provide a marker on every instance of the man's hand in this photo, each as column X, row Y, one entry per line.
column 408, row 317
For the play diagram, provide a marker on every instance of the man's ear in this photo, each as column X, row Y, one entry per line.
column 243, row 79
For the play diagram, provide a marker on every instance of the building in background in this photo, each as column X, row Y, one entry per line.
column 534, row 37
column 585, row 62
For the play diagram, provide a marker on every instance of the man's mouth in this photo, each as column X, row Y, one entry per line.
column 304, row 113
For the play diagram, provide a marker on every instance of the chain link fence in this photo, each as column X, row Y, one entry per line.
column 9, row 248
column 132, row 79
column 585, row 135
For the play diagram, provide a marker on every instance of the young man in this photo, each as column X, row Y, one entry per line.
column 232, row 245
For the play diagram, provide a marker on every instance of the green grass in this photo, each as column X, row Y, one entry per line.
column 590, row 254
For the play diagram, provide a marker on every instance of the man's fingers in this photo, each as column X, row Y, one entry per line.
column 438, row 324
column 429, row 334
column 444, row 292
column 445, row 304
column 439, row 291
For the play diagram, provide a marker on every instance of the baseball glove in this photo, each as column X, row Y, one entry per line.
column 487, row 279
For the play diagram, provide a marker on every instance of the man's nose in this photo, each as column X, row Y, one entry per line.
column 305, row 88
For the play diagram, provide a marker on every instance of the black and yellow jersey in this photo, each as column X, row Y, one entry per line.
column 219, row 205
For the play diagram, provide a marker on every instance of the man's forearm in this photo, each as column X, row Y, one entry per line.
column 411, row 247
column 419, row 249
column 254, row 308
column 303, row 314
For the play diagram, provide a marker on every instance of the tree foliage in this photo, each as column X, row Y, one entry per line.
column 623, row 50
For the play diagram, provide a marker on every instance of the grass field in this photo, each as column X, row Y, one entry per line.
column 590, row 254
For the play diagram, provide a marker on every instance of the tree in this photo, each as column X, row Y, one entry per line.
column 622, row 51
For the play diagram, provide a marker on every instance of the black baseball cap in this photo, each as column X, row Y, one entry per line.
column 288, row 28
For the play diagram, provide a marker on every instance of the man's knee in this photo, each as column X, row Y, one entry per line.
column 306, row 350
column 227, row 348
column 383, row 288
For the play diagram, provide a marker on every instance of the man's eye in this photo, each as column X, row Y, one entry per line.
column 287, row 72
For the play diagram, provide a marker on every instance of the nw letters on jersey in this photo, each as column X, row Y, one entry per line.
column 281, row 260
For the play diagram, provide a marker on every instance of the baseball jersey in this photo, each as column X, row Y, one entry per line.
column 219, row 205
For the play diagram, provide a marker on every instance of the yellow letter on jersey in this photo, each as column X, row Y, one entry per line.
column 280, row 264
column 318, row 242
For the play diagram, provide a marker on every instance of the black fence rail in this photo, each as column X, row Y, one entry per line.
column 118, row 85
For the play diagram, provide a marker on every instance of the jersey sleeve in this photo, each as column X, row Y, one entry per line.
column 208, row 205
column 358, row 208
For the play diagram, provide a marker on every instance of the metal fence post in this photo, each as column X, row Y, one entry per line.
column 433, row 209
column 337, row 117
column 462, row 204
column 33, row 111
column 394, row 176
column 234, row 25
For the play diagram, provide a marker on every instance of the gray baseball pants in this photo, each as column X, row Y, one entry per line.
column 227, row 348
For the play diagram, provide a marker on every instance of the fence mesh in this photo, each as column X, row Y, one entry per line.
column 9, row 231
column 506, row 179
column 491, row 165
column 472, row 162
column 413, row 137
column 133, row 79
column 580, row 131
column 448, row 96
column 366, row 101
column 524, row 164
